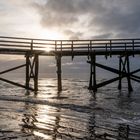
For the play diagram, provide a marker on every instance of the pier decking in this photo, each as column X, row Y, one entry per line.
column 33, row 48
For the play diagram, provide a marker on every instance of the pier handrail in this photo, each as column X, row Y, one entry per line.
column 69, row 45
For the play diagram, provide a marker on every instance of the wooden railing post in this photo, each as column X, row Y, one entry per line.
column 88, row 51
column 55, row 45
column 90, row 46
column 106, row 50
column 61, row 46
column 32, row 45
column 110, row 47
column 133, row 46
column 72, row 50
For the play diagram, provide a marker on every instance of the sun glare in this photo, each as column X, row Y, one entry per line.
column 41, row 135
column 47, row 34
column 51, row 34
column 48, row 49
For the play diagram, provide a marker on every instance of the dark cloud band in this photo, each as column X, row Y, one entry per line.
column 95, row 18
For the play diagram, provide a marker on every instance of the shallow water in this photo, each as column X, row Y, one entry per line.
column 75, row 113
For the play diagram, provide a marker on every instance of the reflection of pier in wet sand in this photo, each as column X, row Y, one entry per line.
column 53, row 125
column 32, row 49
column 34, row 125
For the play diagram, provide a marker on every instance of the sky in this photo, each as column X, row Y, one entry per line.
column 70, row 19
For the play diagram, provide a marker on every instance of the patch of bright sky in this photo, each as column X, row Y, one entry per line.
column 19, row 18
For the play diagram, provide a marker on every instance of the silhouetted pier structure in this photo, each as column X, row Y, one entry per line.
column 33, row 48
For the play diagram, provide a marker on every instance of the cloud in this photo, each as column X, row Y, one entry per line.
column 73, row 35
column 64, row 16
column 75, row 19
column 18, row 18
column 57, row 13
column 92, row 18
column 101, row 36
column 122, row 18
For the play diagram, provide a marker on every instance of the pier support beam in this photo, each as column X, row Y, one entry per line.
column 124, row 71
column 32, row 67
column 59, row 71
column 36, row 69
column 92, row 82
column 27, row 71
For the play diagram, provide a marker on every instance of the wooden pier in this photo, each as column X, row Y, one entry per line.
column 32, row 49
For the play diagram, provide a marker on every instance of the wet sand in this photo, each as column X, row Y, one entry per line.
column 75, row 113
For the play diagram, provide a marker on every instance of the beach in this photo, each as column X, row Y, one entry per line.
column 75, row 113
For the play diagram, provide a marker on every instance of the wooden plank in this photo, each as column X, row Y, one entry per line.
column 107, row 68
column 107, row 82
column 135, row 79
column 113, row 39
column 16, row 84
column 134, row 76
column 14, row 68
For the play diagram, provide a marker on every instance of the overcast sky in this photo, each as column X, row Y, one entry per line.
column 70, row 19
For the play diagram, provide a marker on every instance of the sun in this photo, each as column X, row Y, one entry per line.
column 48, row 49
column 48, row 34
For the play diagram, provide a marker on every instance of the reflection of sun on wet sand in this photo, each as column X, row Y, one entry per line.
column 8, row 135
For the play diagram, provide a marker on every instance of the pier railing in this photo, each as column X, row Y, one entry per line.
column 69, row 45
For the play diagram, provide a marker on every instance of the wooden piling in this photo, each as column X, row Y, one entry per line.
column 32, row 68
column 128, row 75
column 120, row 74
column 36, row 69
column 27, row 70
column 59, row 79
column 92, row 82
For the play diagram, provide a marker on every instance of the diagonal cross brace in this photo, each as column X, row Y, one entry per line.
column 117, row 71
column 11, row 82
column 11, row 69
column 31, row 64
column 16, row 84
column 124, row 74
